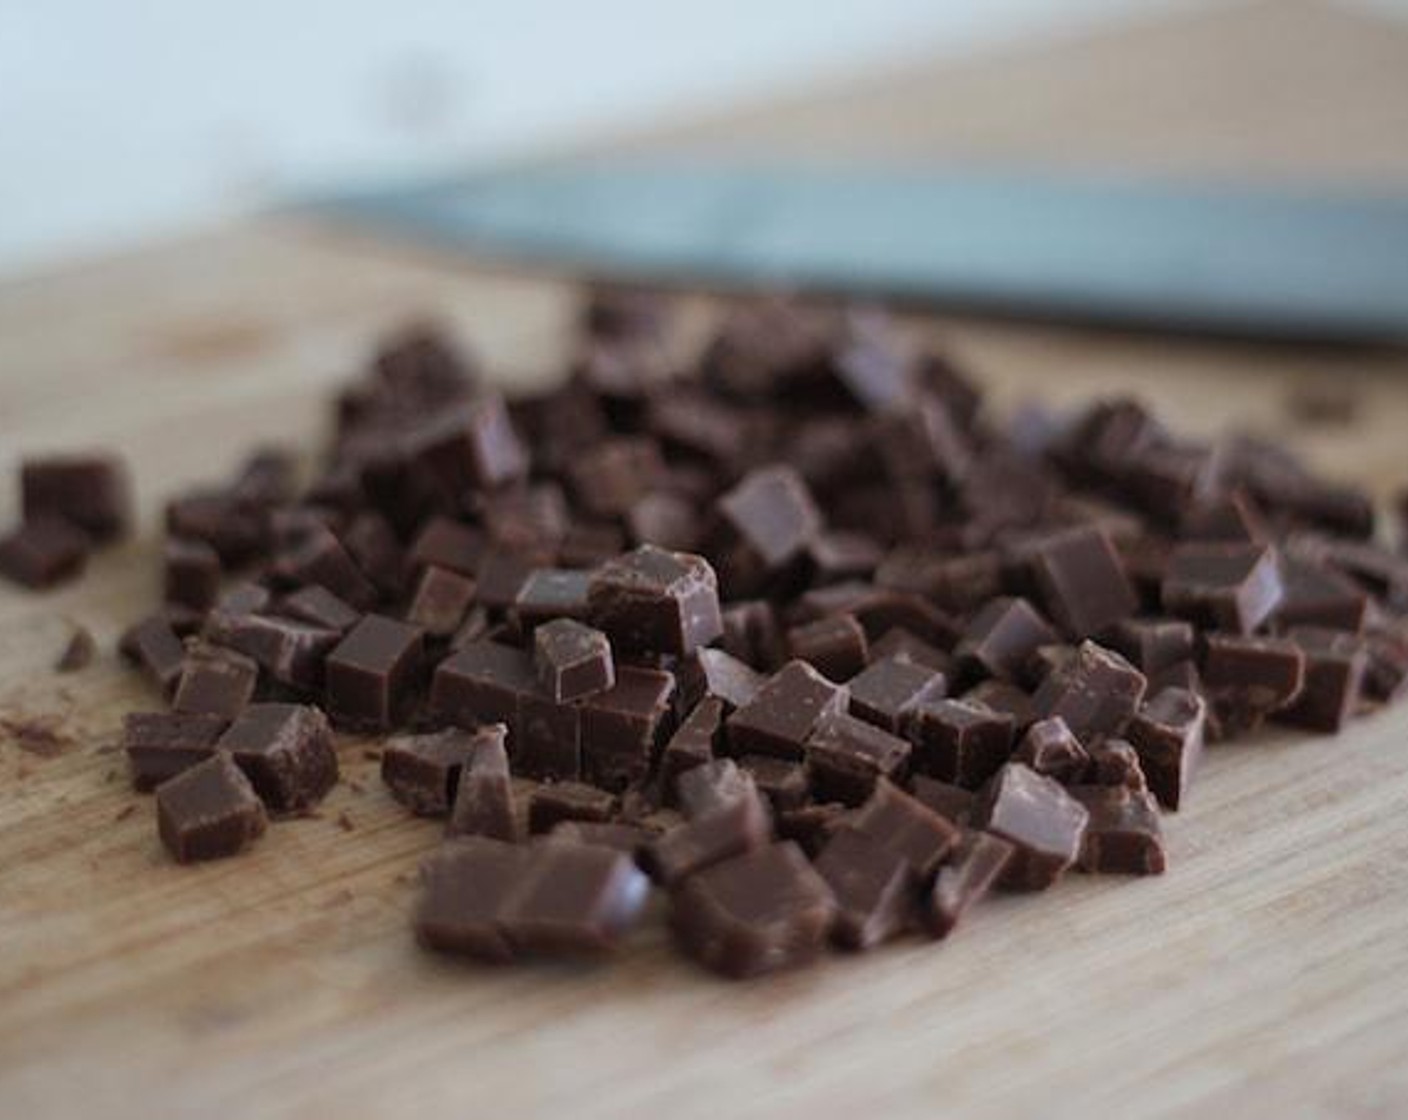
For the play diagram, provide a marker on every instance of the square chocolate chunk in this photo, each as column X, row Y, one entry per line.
column 1095, row 692
column 728, row 679
column 782, row 782
column 153, row 646
column 1002, row 638
column 423, row 771
column 734, row 825
column 1123, row 835
column 373, row 674
column 873, row 885
column 1232, row 587
column 836, row 647
column 319, row 607
column 547, row 737
column 208, row 812
column 622, row 727
column 482, row 683
column 653, row 601
column 287, row 752
column 441, row 600
column 215, row 680
column 966, row 876
column 554, row 802
column 757, row 913
column 43, row 552
column 293, row 653
column 1247, row 678
column 550, row 593
column 765, row 524
column 1168, row 736
column 1335, row 664
column 91, row 492
column 783, row 714
column 847, row 756
column 1049, row 748
column 574, row 899
column 887, row 691
column 693, row 742
column 1151, row 645
column 191, row 571
column 572, row 660
column 1042, row 821
column 160, row 745
column 960, row 741
column 468, row 884
column 1082, row 581
column 907, row 826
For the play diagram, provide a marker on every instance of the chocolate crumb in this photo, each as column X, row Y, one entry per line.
column 78, row 653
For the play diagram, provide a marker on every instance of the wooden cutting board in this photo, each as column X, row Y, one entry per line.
column 1264, row 975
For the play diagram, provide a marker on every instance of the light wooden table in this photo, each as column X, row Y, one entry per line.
column 1265, row 975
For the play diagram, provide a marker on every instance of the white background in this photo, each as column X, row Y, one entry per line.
column 125, row 119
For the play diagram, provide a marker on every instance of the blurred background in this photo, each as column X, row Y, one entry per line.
column 123, row 122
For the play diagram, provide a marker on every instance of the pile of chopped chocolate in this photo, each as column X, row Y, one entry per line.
column 795, row 632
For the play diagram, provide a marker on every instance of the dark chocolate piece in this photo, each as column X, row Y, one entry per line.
column 482, row 683
column 573, row 899
column 764, row 526
column 960, row 741
column 736, row 823
column 215, row 680
column 623, row 726
column 1115, row 762
column 611, row 477
column 1168, row 736
column 751, row 634
column 811, row 826
column 160, row 745
column 1229, row 519
column 899, row 644
column 630, row 839
column 836, row 646
column 693, row 742
column 1045, row 825
column 704, row 788
column 1123, row 835
column 79, row 651
column 191, row 570
column 953, row 803
column 846, row 757
column 293, row 653
column 873, row 887
column 1151, row 645
column 1002, row 638
column 1096, row 692
column 319, row 607
column 230, row 525
column 483, row 802
column 471, row 446
column 547, row 737
column 442, row 597
column 727, row 679
column 763, row 911
column 286, row 750
column 1248, row 678
column 153, row 646
column 423, row 772
column 1082, row 581
column 1314, row 595
column 1005, row 698
column 1335, row 665
column 971, row 870
column 888, row 691
column 91, row 492
column 650, row 600
column 442, row 543
column 572, row 660
column 784, row 712
column 1229, row 586
column 373, row 674
column 503, row 573
column 782, row 782
column 553, row 802
column 839, row 555
column 208, row 812
column 1049, row 748
column 321, row 559
column 43, row 552
column 907, row 826
column 245, row 597
column 550, row 593
column 467, row 885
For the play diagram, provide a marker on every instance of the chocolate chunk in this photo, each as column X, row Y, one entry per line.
column 442, row 597
column 972, row 868
column 838, row 555
column 629, row 839
column 321, row 559
column 1002, row 638
column 1231, row 518
column 43, row 552
column 214, row 680
column 553, row 802
column 1229, row 586
column 727, row 679
column 873, row 887
column 763, row 911
column 656, row 601
column 293, row 653
column 572, row 660
column 373, row 673
column 160, row 745
column 468, row 884
column 1045, row 825
column 503, row 573
column 1248, row 678
column 734, row 824
column 319, row 607
column 1115, row 762
column 711, row 786
column 764, row 526
column 471, row 446
column 846, row 757
column 246, row 598
column 229, row 524
column 953, row 803
column 482, row 683
column 611, row 477
column 1049, row 748
column 623, row 726
column 835, row 647
column 960, row 741
column 547, row 737
column 208, row 812
column 811, row 826
column 1314, row 595
column 887, row 691
column 783, row 783
column 752, row 635
column 693, row 742
column 483, row 802
column 1082, row 581
column 1335, row 665
column 423, row 772
column 783, row 714
column 443, row 543
column 899, row 644
column 1005, row 698
column 550, row 593
column 153, row 646
column 91, row 492
column 1168, row 736
column 78, row 653
column 286, row 751
column 573, row 900
column 1096, row 693
column 1151, row 644
column 191, row 573
column 1123, row 835
column 588, row 545
column 907, row 826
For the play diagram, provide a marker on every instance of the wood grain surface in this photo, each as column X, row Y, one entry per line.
column 1264, row 975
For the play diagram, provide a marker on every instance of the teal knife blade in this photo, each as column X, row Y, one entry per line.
column 1234, row 260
